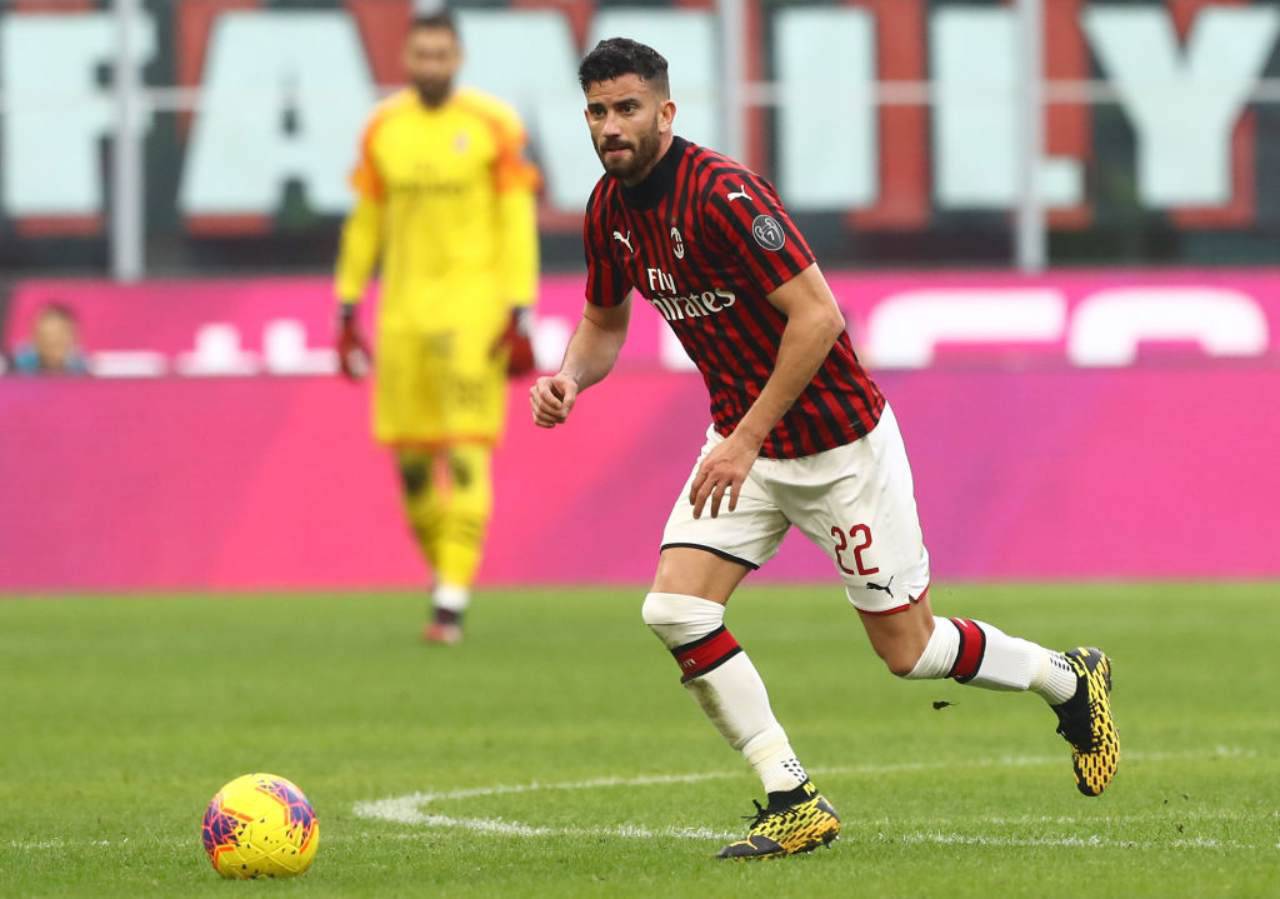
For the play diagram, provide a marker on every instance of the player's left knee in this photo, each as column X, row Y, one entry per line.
column 902, row 660
column 903, row 643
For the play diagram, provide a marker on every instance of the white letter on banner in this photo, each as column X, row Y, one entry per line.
column 56, row 112
column 828, row 127
column 904, row 329
column 260, row 66
column 1183, row 106
column 543, row 88
column 1108, row 326
column 975, row 119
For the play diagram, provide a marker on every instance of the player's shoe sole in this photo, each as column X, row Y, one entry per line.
column 442, row 634
column 791, row 829
column 1085, row 721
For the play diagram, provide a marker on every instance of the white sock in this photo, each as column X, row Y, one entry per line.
column 980, row 654
column 1056, row 681
column 452, row 598
column 725, row 684
column 939, row 654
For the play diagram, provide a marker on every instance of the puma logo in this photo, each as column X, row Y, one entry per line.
column 739, row 194
column 887, row 588
column 617, row 235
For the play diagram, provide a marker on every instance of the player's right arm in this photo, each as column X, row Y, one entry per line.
column 358, row 253
column 592, row 352
column 598, row 339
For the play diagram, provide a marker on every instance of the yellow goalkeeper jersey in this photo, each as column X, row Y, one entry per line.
column 445, row 202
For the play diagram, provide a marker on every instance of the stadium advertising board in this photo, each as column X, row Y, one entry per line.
column 284, row 326
column 1175, row 142
column 1037, row 453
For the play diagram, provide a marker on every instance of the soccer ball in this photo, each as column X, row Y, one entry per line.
column 260, row 825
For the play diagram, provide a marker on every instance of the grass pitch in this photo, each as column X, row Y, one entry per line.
column 555, row 753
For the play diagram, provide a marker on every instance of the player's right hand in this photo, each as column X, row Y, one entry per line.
column 552, row 399
column 353, row 352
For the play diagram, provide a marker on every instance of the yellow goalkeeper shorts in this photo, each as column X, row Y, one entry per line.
column 445, row 386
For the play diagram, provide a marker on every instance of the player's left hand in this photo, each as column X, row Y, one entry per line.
column 724, row 469
column 517, row 340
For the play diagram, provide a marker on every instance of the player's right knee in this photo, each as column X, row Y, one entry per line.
column 693, row 629
column 679, row 619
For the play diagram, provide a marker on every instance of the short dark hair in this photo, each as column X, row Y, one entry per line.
column 620, row 56
column 58, row 309
column 442, row 19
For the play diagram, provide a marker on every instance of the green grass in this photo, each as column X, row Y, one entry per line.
column 119, row 718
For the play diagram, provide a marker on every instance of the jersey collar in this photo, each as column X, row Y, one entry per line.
column 659, row 182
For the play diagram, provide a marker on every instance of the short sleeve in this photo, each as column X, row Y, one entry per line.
column 747, row 220
column 607, row 283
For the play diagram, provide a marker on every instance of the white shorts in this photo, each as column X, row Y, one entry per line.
column 856, row 502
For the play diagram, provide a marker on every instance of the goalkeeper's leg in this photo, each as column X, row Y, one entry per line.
column 466, row 502
column 421, row 497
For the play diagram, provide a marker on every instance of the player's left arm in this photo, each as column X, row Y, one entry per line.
column 748, row 221
column 814, row 323
column 516, row 181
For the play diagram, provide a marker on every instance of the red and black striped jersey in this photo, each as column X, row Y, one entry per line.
column 706, row 240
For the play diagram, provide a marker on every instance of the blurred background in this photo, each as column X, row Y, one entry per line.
column 1053, row 225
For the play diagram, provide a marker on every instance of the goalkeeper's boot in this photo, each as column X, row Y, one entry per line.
column 797, row 821
column 1086, row 723
column 445, row 628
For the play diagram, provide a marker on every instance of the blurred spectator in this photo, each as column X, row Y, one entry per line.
column 55, row 345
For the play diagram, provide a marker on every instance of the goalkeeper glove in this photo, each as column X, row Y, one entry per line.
column 517, row 341
column 353, row 352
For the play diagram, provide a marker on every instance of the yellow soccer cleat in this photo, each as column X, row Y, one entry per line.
column 1086, row 723
column 794, row 822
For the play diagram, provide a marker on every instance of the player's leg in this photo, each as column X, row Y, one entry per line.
column 466, row 502
column 871, row 529
column 471, row 386
column 1077, row 684
column 702, row 562
column 686, row 610
column 421, row 496
column 407, row 416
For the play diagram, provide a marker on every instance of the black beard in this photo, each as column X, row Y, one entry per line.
column 433, row 93
column 643, row 153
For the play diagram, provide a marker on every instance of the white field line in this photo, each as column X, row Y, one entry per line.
column 408, row 810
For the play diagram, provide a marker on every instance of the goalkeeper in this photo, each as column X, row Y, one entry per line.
column 445, row 203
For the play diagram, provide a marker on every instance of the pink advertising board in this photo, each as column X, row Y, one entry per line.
column 284, row 326
column 1027, row 465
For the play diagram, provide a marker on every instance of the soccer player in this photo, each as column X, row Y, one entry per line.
column 800, row 436
column 445, row 202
